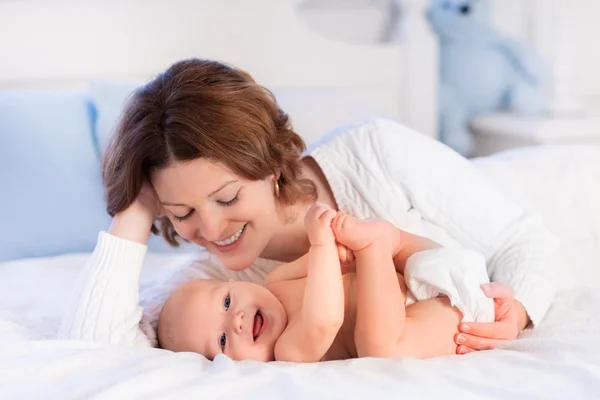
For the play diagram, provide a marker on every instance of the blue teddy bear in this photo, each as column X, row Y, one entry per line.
column 481, row 70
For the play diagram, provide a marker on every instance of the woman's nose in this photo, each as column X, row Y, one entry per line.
column 238, row 320
column 211, row 226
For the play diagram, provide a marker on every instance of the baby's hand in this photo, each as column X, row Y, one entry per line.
column 318, row 224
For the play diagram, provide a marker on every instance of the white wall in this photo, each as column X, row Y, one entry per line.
column 514, row 16
column 354, row 21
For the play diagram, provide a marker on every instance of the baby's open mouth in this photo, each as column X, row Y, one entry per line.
column 258, row 323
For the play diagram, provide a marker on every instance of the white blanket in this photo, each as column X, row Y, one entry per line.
column 561, row 359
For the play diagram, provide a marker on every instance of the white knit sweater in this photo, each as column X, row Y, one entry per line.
column 375, row 169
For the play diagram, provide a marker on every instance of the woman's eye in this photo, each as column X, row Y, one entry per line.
column 186, row 216
column 230, row 202
column 223, row 341
column 227, row 302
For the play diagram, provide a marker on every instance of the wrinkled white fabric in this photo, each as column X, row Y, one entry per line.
column 454, row 273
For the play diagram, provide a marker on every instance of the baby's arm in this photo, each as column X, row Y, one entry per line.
column 105, row 305
column 289, row 271
column 309, row 337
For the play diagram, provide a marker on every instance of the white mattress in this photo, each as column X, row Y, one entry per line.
column 559, row 360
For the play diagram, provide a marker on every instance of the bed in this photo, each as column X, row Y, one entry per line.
column 560, row 359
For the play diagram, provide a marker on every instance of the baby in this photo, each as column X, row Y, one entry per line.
column 307, row 311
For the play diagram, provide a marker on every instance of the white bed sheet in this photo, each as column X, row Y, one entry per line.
column 560, row 359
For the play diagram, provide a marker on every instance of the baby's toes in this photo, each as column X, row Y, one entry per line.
column 327, row 216
column 353, row 233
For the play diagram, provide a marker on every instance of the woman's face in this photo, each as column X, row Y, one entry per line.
column 211, row 206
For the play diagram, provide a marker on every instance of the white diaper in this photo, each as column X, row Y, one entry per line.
column 455, row 273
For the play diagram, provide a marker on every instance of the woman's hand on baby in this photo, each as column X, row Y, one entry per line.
column 509, row 312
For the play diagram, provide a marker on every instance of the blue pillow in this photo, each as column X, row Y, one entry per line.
column 52, row 198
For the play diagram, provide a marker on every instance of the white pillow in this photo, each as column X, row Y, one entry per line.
column 316, row 112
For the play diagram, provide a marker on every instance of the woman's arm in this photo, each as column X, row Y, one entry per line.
column 105, row 304
column 450, row 192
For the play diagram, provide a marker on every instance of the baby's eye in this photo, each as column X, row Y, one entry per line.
column 227, row 302
column 223, row 341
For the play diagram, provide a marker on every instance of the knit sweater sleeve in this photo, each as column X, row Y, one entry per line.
column 452, row 193
column 104, row 307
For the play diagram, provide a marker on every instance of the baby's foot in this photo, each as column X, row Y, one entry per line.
column 318, row 224
column 360, row 234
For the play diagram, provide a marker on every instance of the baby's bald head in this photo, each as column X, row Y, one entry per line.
column 181, row 315
column 242, row 320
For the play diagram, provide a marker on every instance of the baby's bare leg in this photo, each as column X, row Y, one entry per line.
column 429, row 331
column 380, row 302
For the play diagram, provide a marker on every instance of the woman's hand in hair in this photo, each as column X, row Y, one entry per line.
column 134, row 223
column 147, row 202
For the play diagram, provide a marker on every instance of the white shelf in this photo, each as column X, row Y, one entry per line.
column 500, row 131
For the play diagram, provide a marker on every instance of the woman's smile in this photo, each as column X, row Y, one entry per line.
column 231, row 242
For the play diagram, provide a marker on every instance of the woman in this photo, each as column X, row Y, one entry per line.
column 205, row 152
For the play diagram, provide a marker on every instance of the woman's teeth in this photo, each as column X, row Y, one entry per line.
column 232, row 239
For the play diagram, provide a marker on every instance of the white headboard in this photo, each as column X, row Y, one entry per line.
column 62, row 44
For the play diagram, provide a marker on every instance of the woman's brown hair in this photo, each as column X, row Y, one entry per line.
column 202, row 109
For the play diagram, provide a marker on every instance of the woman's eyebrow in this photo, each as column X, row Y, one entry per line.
column 173, row 204
column 210, row 195
column 222, row 187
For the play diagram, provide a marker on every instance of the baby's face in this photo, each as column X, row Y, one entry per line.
column 239, row 319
